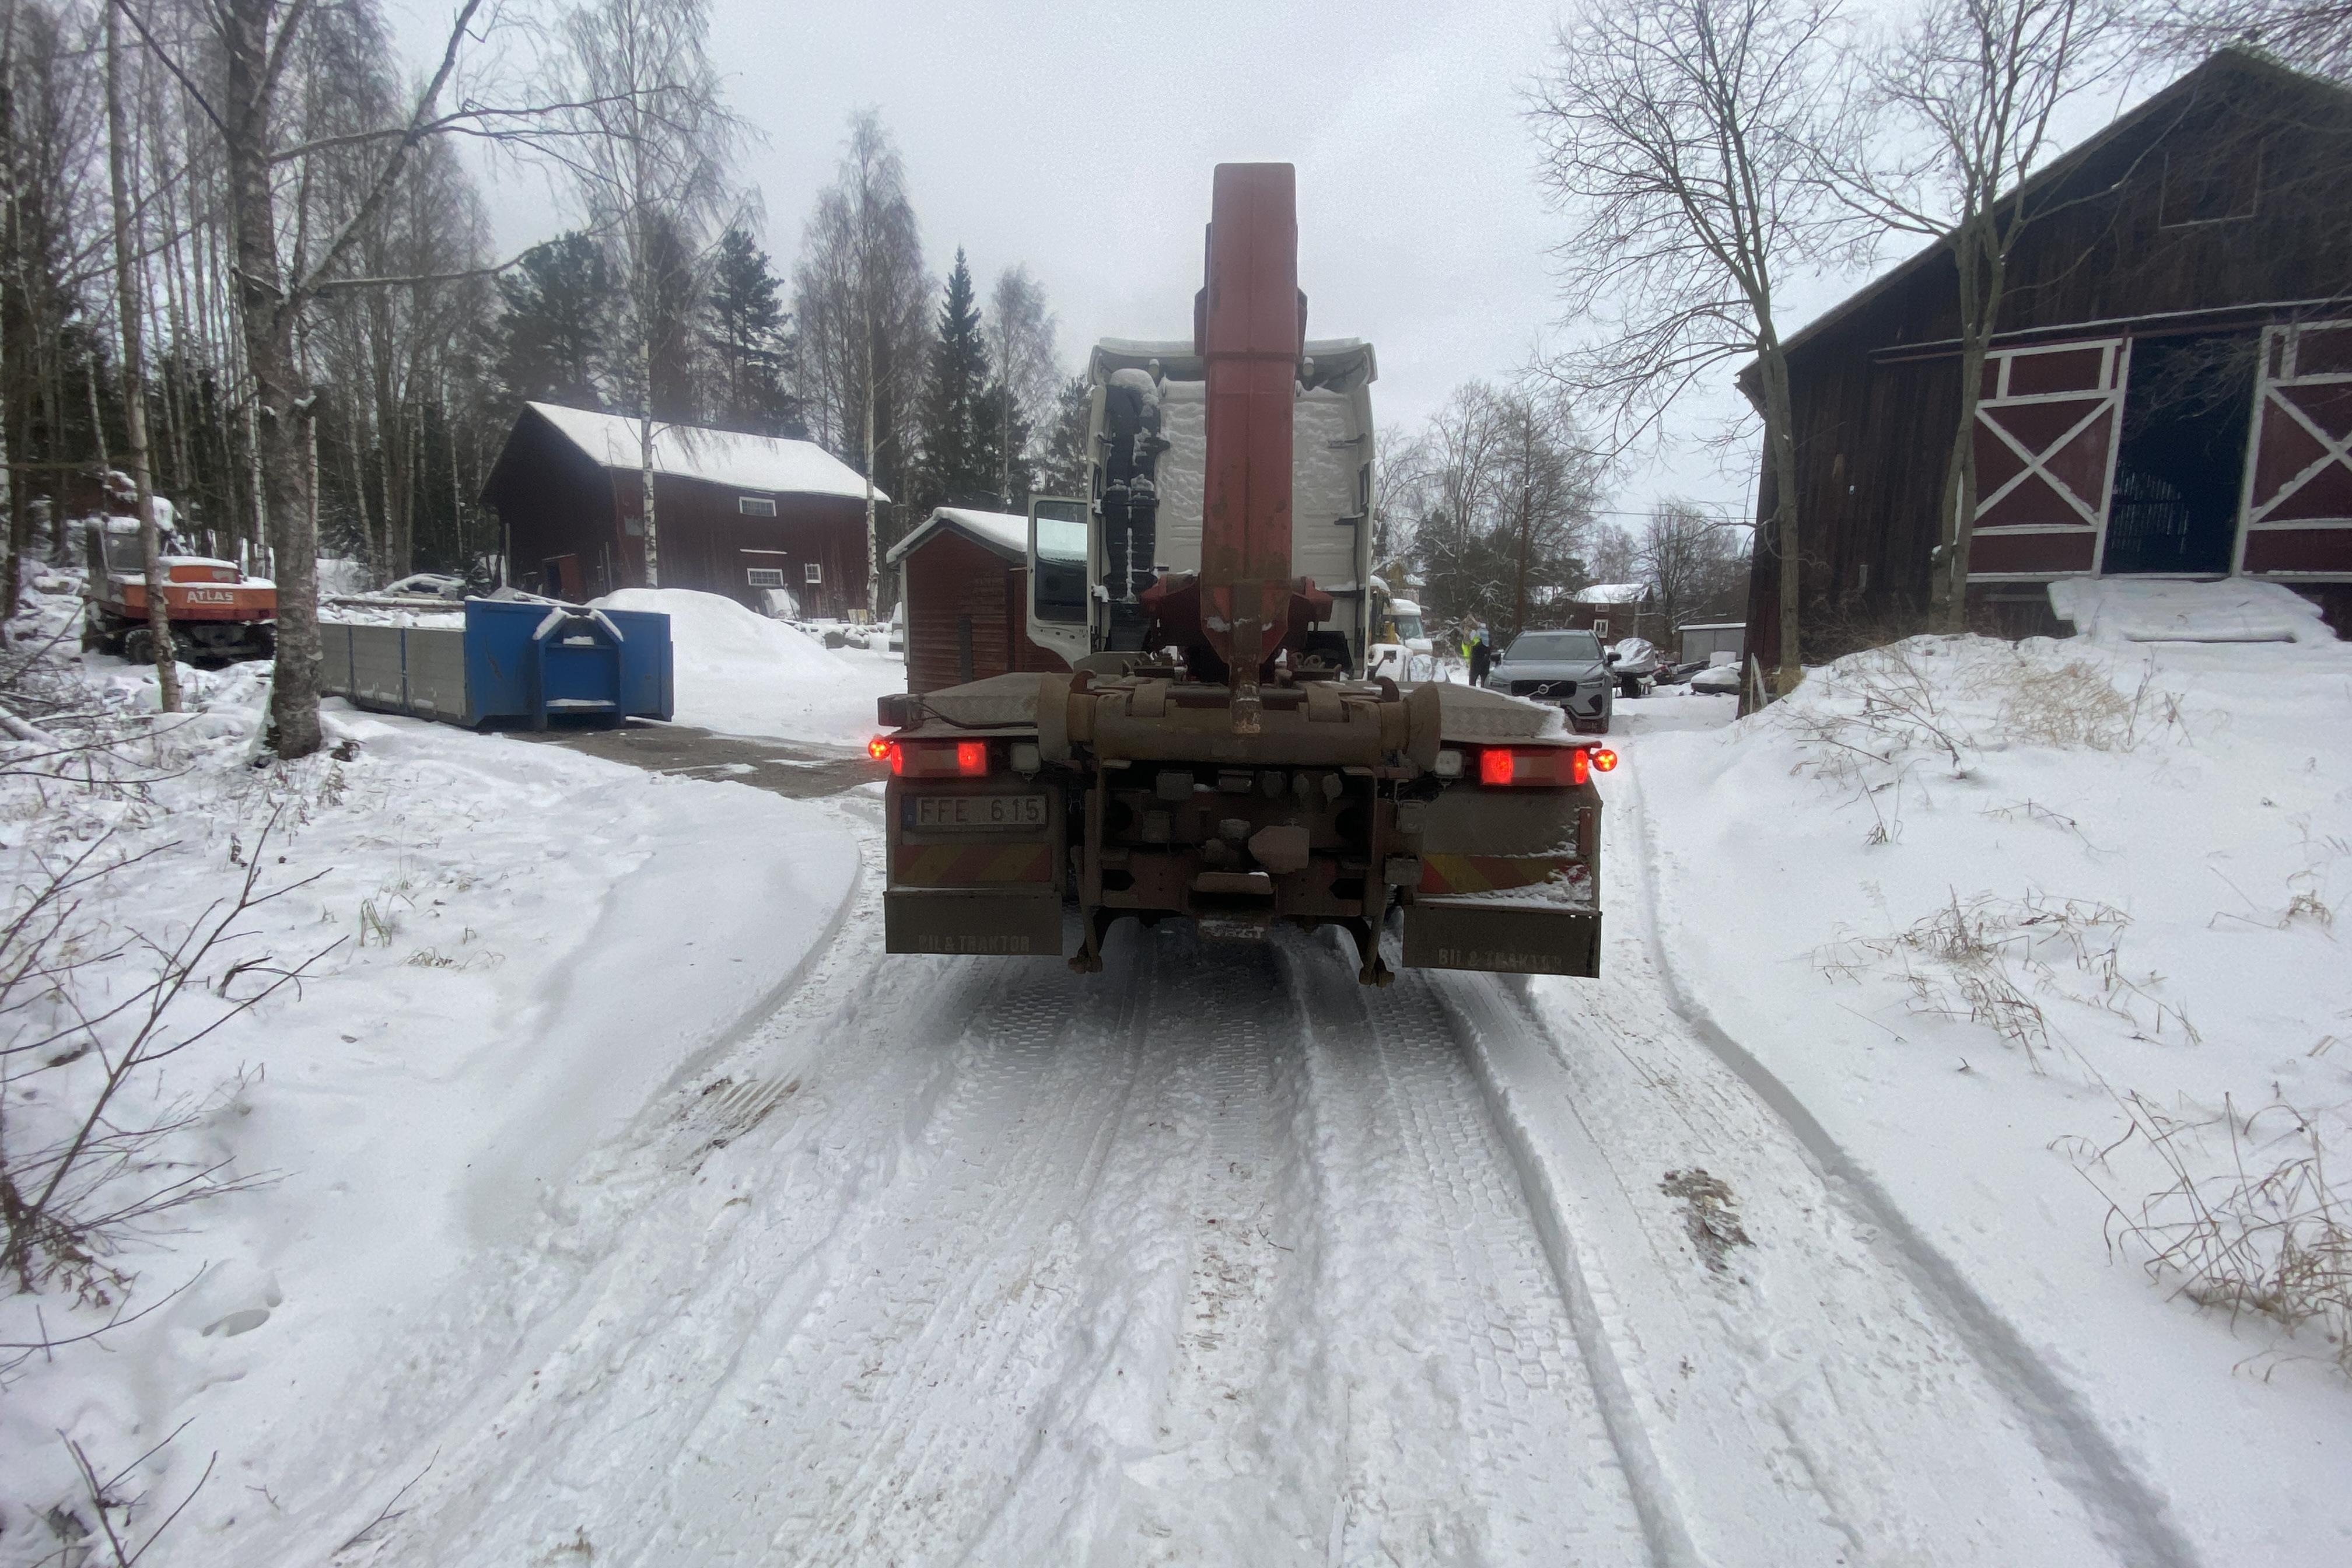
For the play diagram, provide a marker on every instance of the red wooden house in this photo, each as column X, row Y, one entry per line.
column 739, row 515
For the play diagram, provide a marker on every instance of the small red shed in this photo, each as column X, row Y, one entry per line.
column 966, row 575
column 734, row 514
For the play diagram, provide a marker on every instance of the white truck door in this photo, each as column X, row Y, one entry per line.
column 1059, row 576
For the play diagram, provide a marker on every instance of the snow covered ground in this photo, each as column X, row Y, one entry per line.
column 513, row 949
column 2015, row 937
column 630, row 1205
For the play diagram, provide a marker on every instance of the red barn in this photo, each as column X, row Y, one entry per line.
column 2168, row 393
column 738, row 515
column 967, row 584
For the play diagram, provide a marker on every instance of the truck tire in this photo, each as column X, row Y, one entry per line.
column 138, row 646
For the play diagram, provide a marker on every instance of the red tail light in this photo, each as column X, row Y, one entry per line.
column 880, row 748
column 1548, row 768
column 938, row 759
column 1603, row 760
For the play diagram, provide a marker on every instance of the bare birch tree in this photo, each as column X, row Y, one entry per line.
column 130, row 310
column 2314, row 34
column 1680, row 141
column 863, row 299
column 654, row 146
column 1979, row 84
column 1686, row 555
column 239, row 87
column 1020, row 331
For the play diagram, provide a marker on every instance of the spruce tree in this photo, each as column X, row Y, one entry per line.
column 959, row 453
column 550, row 336
column 1066, row 459
column 751, row 344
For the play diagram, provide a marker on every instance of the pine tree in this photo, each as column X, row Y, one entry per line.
column 959, row 460
column 1066, row 455
column 751, row 342
column 552, row 335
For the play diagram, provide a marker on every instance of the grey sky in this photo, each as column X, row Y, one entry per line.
column 1078, row 138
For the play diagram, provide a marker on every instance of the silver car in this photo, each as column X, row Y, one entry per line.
column 1564, row 668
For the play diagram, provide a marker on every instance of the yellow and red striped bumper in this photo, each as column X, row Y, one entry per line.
column 1469, row 875
column 972, row 865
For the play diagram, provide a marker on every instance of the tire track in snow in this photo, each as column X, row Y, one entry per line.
column 2132, row 1515
column 1403, row 1132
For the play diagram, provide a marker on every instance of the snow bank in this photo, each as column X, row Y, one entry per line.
column 744, row 675
column 511, row 947
column 2138, row 610
column 2021, row 937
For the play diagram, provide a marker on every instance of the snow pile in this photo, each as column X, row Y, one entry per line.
column 2137, row 610
column 743, row 675
column 464, row 960
column 2037, row 942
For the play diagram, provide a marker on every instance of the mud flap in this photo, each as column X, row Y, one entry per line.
column 932, row 920
column 1505, row 938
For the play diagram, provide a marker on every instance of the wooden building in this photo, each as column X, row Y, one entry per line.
column 966, row 577
column 2169, row 391
column 1615, row 610
column 739, row 515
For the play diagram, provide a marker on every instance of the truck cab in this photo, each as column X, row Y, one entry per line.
column 1142, row 517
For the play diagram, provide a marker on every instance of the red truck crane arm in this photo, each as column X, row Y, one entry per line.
column 1249, row 328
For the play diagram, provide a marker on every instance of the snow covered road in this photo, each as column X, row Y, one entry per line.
column 1214, row 1257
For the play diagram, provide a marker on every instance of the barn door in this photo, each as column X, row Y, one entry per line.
column 2299, row 490
column 2045, row 439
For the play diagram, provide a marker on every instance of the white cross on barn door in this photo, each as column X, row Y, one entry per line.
column 2298, row 504
column 2045, row 437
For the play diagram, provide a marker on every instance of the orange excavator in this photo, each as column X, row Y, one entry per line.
column 217, row 612
column 1215, row 754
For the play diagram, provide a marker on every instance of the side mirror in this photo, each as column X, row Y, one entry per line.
column 1612, row 655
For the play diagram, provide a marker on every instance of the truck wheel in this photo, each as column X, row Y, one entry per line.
column 138, row 646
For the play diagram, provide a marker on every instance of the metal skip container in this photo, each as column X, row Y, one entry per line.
column 514, row 662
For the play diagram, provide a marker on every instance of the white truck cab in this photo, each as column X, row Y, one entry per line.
column 1081, row 549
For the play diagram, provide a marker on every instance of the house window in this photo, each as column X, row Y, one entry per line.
column 1600, row 626
column 755, row 506
column 812, row 572
column 763, row 577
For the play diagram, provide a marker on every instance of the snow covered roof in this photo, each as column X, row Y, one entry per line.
column 1006, row 532
column 1612, row 594
column 1339, row 362
column 772, row 463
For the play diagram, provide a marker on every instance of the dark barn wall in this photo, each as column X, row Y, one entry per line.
column 707, row 543
column 551, row 499
column 1874, row 386
column 967, row 615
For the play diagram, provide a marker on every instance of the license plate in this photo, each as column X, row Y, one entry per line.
column 952, row 811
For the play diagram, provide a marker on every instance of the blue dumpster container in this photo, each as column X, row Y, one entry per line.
column 514, row 662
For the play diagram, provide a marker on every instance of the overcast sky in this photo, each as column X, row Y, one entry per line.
column 1079, row 138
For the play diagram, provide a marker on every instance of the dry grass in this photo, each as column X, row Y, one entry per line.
column 1875, row 720
column 2265, row 1230
column 1996, row 961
